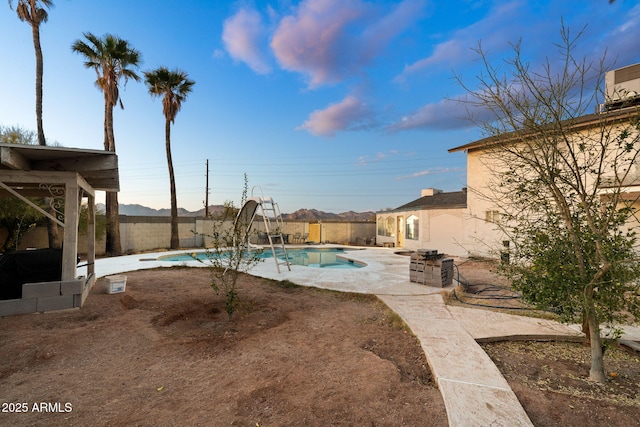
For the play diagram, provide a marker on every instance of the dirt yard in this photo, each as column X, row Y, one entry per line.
column 164, row 353
column 551, row 378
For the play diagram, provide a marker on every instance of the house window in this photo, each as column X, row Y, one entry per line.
column 390, row 228
column 413, row 225
column 492, row 216
column 385, row 227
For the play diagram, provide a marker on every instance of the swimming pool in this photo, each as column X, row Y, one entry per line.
column 308, row 257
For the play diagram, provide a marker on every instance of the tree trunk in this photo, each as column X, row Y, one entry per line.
column 113, row 244
column 175, row 240
column 586, row 329
column 52, row 228
column 53, row 232
column 596, row 373
column 35, row 30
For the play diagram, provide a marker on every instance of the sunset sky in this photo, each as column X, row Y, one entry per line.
column 335, row 105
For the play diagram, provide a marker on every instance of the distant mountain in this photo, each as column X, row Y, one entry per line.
column 139, row 210
column 300, row 214
column 316, row 215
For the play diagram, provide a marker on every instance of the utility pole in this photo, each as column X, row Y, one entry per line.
column 206, row 199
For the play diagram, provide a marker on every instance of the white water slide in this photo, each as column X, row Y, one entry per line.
column 272, row 223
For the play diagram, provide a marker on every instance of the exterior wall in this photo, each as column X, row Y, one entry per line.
column 482, row 237
column 440, row 229
column 339, row 232
column 144, row 233
column 348, row 233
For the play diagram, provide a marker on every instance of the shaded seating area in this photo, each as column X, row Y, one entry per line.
column 263, row 238
column 45, row 279
column 33, row 266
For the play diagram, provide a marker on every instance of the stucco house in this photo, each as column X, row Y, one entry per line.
column 481, row 236
column 464, row 223
column 436, row 221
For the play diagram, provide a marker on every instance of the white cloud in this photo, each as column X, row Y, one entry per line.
column 434, row 171
column 365, row 160
column 243, row 34
column 621, row 38
column 446, row 114
column 350, row 113
column 501, row 26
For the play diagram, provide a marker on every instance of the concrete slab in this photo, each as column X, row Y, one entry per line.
column 491, row 324
column 471, row 405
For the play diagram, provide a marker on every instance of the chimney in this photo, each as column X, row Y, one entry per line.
column 430, row 191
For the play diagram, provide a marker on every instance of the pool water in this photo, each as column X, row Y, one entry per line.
column 308, row 257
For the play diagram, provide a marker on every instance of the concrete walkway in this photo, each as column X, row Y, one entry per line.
column 474, row 391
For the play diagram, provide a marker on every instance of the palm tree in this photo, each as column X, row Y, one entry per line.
column 173, row 86
column 34, row 13
column 113, row 59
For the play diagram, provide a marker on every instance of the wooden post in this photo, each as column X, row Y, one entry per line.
column 70, row 242
column 91, row 235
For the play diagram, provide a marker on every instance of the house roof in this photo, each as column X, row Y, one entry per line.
column 576, row 124
column 455, row 199
column 98, row 167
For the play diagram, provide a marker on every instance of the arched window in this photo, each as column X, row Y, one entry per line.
column 390, row 227
column 412, row 228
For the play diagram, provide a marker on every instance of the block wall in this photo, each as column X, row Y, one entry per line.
column 48, row 296
column 437, row 273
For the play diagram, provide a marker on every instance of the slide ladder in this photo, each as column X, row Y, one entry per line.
column 273, row 226
column 273, row 223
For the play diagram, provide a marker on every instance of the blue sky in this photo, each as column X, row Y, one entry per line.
column 335, row 105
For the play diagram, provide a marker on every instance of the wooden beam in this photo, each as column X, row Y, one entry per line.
column 30, row 203
column 78, row 164
column 36, row 177
column 13, row 160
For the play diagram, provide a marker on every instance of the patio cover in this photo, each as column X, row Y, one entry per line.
column 60, row 174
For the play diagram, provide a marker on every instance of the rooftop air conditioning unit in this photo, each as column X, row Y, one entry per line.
column 622, row 84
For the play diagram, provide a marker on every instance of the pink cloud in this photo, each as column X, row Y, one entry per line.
column 243, row 34
column 331, row 40
column 350, row 113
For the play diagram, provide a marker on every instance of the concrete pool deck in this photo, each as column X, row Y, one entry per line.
column 474, row 391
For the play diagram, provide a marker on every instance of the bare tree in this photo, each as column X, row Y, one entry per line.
column 560, row 179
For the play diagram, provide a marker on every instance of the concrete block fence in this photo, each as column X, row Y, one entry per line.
column 151, row 233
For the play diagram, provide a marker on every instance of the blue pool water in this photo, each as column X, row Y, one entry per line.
column 308, row 257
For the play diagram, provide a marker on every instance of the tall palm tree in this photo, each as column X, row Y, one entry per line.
column 34, row 12
column 113, row 59
column 173, row 87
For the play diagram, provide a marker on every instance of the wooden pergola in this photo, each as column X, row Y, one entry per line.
column 65, row 176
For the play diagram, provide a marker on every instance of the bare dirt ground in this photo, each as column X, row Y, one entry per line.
column 551, row 378
column 164, row 354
